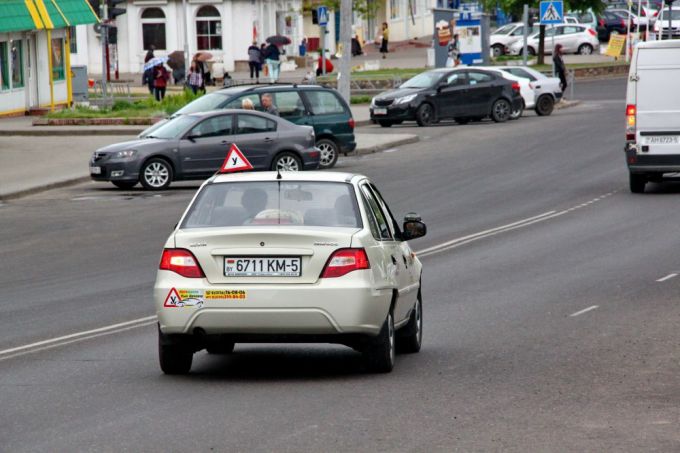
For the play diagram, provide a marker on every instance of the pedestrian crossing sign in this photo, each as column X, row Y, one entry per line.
column 551, row 12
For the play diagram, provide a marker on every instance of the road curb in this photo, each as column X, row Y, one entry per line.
column 382, row 147
column 67, row 132
column 565, row 104
column 43, row 188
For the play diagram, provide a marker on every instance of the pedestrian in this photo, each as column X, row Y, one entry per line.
column 255, row 61
column 319, row 66
column 268, row 104
column 147, row 76
column 272, row 57
column 160, row 81
column 356, row 46
column 385, row 39
column 560, row 69
column 195, row 78
column 201, row 69
column 453, row 50
column 149, row 53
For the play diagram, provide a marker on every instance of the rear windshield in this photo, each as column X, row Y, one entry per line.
column 267, row 203
column 205, row 103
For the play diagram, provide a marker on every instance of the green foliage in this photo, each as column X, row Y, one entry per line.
column 515, row 6
column 360, row 99
column 365, row 8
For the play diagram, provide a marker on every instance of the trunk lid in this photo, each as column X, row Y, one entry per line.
column 313, row 245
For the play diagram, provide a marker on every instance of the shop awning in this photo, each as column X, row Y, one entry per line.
column 19, row 15
column 65, row 13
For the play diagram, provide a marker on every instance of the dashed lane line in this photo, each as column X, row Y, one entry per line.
column 585, row 310
column 667, row 277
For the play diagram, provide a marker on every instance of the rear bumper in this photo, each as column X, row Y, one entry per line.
column 345, row 305
column 651, row 163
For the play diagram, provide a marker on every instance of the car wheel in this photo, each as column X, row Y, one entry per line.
column 286, row 162
column 384, row 123
column 410, row 337
column 174, row 358
column 637, row 182
column 156, row 174
column 585, row 49
column 425, row 115
column 462, row 120
column 329, row 152
column 497, row 50
column 531, row 51
column 381, row 353
column 516, row 114
column 125, row 185
column 501, row 110
column 545, row 105
column 223, row 347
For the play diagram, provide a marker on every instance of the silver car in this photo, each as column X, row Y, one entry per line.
column 195, row 146
column 580, row 39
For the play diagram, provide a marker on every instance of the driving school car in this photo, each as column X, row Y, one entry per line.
column 290, row 257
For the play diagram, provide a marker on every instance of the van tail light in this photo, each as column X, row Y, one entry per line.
column 351, row 123
column 182, row 262
column 631, row 113
column 515, row 87
column 344, row 261
column 592, row 32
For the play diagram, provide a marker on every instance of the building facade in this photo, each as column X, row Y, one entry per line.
column 225, row 28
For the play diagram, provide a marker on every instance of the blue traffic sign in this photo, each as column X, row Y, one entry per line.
column 322, row 13
column 551, row 12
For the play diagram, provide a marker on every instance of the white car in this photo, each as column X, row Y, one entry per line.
column 580, row 39
column 506, row 35
column 546, row 89
column 525, row 89
column 661, row 24
column 291, row 257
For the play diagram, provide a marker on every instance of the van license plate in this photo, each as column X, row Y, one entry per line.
column 661, row 140
column 237, row 266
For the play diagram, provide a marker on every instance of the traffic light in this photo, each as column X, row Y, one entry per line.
column 315, row 16
column 113, row 11
column 113, row 34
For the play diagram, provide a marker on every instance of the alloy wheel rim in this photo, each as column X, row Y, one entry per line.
column 327, row 153
column 426, row 114
column 585, row 50
column 502, row 109
column 156, row 174
column 287, row 163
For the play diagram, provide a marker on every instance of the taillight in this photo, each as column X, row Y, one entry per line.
column 623, row 23
column 351, row 123
column 631, row 112
column 344, row 261
column 182, row 262
column 515, row 86
column 656, row 13
column 592, row 32
column 601, row 22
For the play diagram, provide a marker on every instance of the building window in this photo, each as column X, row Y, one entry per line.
column 57, row 59
column 395, row 9
column 17, row 64
column 153, row 29
column 4, row 67
column 208, row 29
column 73, row 41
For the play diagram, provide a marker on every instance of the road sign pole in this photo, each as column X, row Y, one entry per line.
column 323, row 50
column 525, row 19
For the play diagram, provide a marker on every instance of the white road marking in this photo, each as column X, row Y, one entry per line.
column 585, row 310
column 667, row 277
column 78, row 336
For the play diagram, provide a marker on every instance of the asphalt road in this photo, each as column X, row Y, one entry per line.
column 550, row 334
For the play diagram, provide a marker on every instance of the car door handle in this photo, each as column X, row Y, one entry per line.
column 268, row 140
column 394, row 260
column 225, row 142
column 405, row 260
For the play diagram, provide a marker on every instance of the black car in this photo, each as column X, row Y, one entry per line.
column 194, row 147
column 610, row 23
column 463, row 94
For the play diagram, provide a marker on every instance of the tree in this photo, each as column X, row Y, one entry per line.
column 365, row 8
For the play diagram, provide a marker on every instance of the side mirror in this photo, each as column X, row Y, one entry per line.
column 192, row 137
column 413, row 227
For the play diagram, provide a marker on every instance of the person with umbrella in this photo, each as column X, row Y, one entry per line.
column 147, row 77
column 273, row 55
column 160, row 81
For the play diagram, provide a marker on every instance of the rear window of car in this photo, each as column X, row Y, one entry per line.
column 274, row 203
column 324, row 102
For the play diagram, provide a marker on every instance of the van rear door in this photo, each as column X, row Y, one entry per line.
column 658, row 100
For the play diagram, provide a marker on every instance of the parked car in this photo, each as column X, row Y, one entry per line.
column 528, row 95
column 609, row 23
column 546, row 89
column 580, row 39
column 309, row 105
column 506, row 35
column 309, row 258
column 463, row 94
column 652, row 111
column 194, row 146
column 636, row 22
column 661, row 24
column 586, row 17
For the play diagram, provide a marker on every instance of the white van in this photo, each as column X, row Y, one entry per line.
column 653, row 113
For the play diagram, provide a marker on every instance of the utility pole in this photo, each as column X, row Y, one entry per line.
column 186, row 39
column 525, row 33
column 104, row 15
column 346, row 40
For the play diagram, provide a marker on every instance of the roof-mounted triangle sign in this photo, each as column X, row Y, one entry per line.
column 235, row 161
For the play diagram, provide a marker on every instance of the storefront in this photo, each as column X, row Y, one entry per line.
column 34, row 52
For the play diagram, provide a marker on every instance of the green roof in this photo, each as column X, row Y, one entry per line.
column 77, row 12
column 56, row 17
column 15, row 16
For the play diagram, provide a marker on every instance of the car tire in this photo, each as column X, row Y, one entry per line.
column 223, row 347
column 516, row 114
column 497, row 50
column 286, row 161
column 174, row 358
column 125, row 185
column 585, row 49
column 384, row 123
column 410, row 337
column 501, row 110
column 530, row 51
column 637, row 183
column 380, row 354
column 156, row 174
column 545, row 105
column 329, row 153
column 425, row 115
column 462, row 121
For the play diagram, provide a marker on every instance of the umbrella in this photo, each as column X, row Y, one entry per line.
column 279, row 40
column 155, row 61
column 176, row 59
column 203, row 56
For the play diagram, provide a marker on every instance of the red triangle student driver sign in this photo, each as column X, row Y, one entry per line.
column 235, row 161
